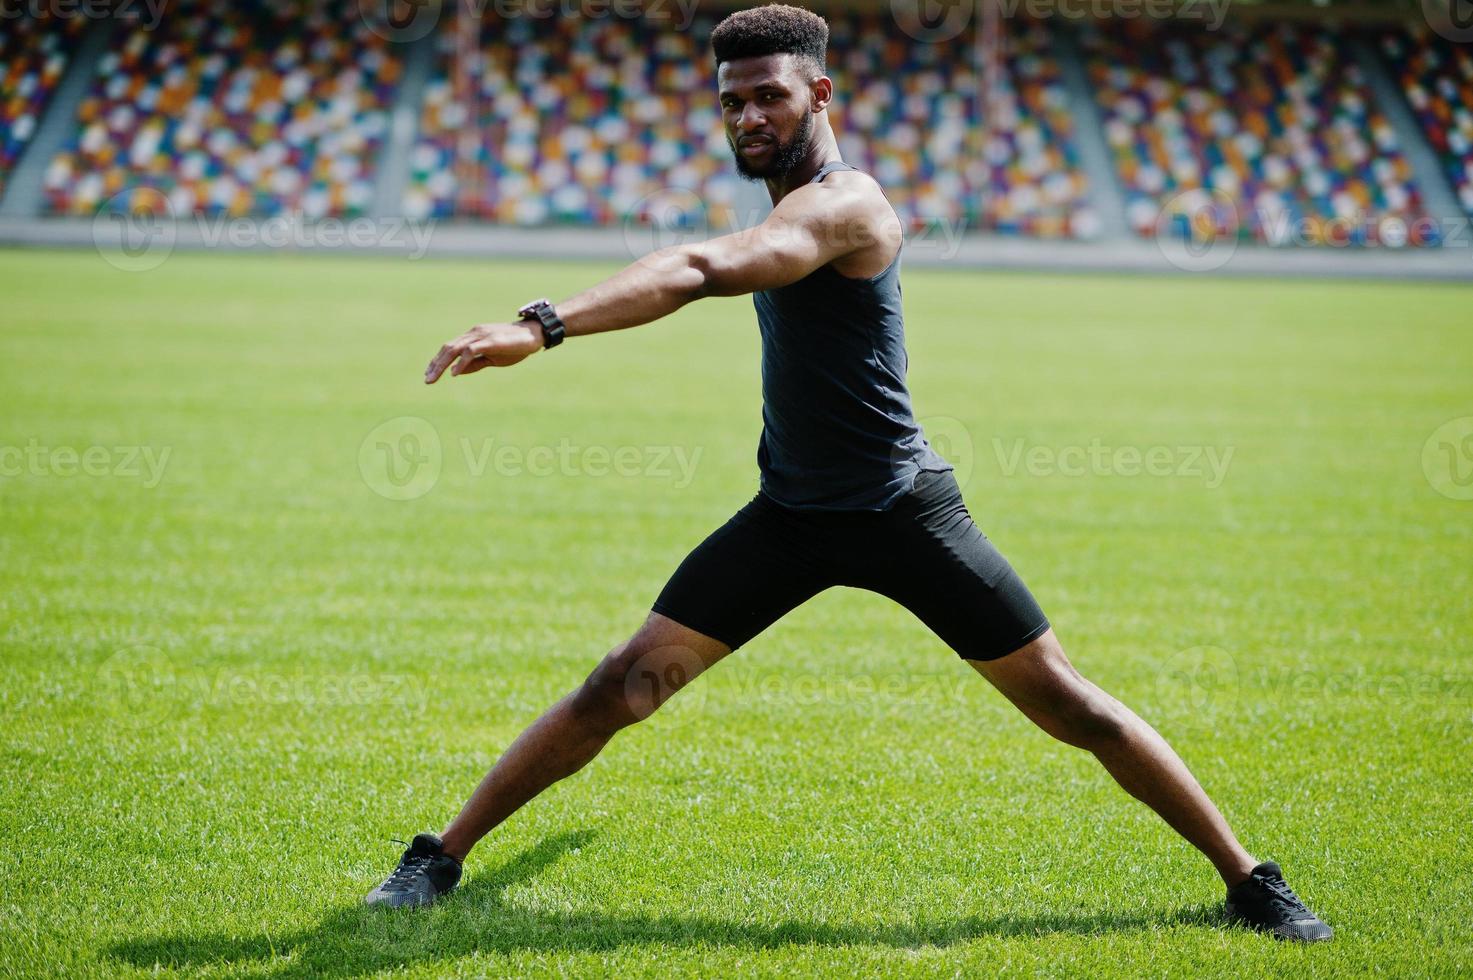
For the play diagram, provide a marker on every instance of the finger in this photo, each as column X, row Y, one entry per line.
column 442, row 360
column 467, row 358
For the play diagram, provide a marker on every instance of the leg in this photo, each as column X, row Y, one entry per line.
column 940, row 566
column 1043, row 684
column 627, row 686
column 741, row 579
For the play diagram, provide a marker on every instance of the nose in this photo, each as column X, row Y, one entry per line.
column 751, row 118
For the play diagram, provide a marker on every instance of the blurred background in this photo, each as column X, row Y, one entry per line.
column 1041, row 131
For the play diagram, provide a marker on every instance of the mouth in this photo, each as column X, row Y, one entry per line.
column 752, row 146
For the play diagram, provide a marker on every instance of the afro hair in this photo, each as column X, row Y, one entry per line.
column 773, row 29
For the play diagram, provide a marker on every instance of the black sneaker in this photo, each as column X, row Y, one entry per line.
column 1266, row 902
column 425, row 873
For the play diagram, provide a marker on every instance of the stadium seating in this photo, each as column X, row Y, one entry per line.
column 266, row 107
column 572, row 119
column 234, row 107
column 1437, row 78
column 586, row 121
column 34, row 51
column 1275, row 121
column 909, row 113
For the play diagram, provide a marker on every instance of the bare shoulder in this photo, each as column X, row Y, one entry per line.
column 854, row 205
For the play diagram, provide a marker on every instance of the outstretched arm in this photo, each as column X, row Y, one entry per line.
column 809, row 228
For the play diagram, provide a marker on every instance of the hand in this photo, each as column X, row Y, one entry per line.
column 486, row 345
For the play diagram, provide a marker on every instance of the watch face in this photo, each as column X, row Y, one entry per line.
column 530, row 309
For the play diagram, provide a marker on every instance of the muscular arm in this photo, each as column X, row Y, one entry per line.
column 810, row 227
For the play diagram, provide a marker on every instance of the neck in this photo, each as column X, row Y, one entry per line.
column 823, row 148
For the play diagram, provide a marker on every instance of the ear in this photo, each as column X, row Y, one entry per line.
column 822, row 91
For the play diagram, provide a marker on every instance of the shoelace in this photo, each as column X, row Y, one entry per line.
column 409, row 866
column 1281, row 895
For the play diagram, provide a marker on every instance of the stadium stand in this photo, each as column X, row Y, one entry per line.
column 909, row 114
column 265, row 107
column 573, row 120
column 34, row 51
column 1436, row 76
column 234, row 107
column 1275, row 119
column 586, row 121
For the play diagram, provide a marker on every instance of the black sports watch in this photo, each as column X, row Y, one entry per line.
column 541, row 310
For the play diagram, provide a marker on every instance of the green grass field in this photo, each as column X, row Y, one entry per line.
column 233, row 668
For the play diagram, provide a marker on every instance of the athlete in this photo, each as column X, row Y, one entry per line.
column 850, row 494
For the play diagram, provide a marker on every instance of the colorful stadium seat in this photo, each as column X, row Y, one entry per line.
column 231, row 108
column 1273, row 121
column 1437, row 77
column 590, row 121
column 34, row 51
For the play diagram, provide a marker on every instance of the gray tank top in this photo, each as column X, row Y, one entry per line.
column 837, row 428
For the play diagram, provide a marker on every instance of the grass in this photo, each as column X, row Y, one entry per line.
column 224, row 692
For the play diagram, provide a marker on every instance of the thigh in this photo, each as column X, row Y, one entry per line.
column 746, row 575
column 937, row 563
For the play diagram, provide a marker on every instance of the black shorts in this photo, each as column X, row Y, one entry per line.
column 925, row 553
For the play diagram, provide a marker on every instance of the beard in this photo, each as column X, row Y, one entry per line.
column 785, row 156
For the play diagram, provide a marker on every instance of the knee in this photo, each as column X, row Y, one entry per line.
column 601, row 702
column 631, row 682
column 1085, row 718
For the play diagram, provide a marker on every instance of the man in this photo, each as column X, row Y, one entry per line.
column 851, row 493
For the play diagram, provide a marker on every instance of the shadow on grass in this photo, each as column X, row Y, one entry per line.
column 359, row 940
